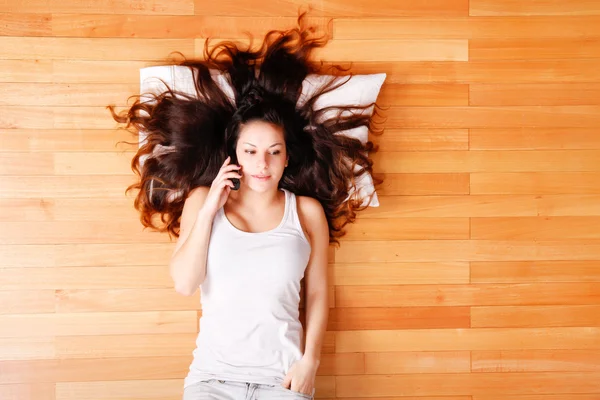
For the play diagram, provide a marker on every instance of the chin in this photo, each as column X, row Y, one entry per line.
column 263, row 187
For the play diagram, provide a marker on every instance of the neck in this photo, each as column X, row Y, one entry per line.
column 249, row 199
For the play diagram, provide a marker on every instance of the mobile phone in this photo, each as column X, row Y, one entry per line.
column 235, row 181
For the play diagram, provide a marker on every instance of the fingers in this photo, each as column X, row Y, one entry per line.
column 228, row 171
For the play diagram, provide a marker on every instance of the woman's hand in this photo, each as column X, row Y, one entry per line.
column 221, row 187
column 301, row 376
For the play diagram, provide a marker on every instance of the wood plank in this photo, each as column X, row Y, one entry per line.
column 27, row 348
column 336, row 8
column 325, row 386
column 103, row 278
column 535, row 183
column 66, row 140
column 342, row 364
column 56, row 117
column 14, row 24
column 93, row 255
column 533, row 138
column 23, row 300
column 487, row 72
column 33, row 391
column 461, row 384
column 462, row 295
column 399, row 273
column 463, row 206
column 101, row 6
column 410, row 398
column 61, row 209
column 464, row 250
column 170, row 26
column 26, row 70
column 154, row 389
column 580, row 338
column 404, row 50
column 95, row 369
column 26, row 163
column 125, row 346
column 529, row 49
column 535, row 360
column 63, row 94
column 536, row 94
column 96, row 71
column 486, row 161
column 100, row 323
column 533, row 7
column 412, row 228
column 64, row 232
column 419, row 139
column 127, row 300
column 495, row 205
column 371, row 318
column 423, row 184
column 426, row 362
column 531, row 27
column 493, row 117
column 122, row 49
column 535, row 228
column 535, row 271
column 108, row 186
column 569, row 396
column 94, row 163
column 535, row 316
column 423, row 95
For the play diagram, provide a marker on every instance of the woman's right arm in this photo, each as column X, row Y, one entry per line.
column 188, row 262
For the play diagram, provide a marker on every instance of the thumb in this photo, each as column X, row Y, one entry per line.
column 287, row 381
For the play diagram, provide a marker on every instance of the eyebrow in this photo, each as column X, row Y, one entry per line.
column 273, row 145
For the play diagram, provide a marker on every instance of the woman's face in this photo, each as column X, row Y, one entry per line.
column 262, row 154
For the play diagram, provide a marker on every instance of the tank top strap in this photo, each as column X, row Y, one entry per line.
column 292, row 218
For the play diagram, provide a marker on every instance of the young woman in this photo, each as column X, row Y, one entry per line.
column 255, row 188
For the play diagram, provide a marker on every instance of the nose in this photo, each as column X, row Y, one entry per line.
column 262, row 162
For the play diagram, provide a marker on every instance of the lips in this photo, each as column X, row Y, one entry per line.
column 261, row 177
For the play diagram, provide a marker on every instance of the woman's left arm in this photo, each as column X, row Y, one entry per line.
column 302, row 375
column 317, row 307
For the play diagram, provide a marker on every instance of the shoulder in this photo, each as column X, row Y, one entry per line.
column 312, row 215
column 192, row 204
column 200, row 191
column 310, row 206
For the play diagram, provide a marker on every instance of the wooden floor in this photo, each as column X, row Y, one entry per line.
column 478, row 278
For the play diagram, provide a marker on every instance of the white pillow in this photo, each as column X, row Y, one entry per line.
column 359, row 90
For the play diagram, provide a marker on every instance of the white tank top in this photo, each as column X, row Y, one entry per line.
column 250, row 329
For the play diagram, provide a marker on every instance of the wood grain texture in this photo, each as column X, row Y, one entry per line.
column 336, row 8
column 467, row 28
column 102, row 6
column 477, row 277
column 574, row 338
column 533, row 7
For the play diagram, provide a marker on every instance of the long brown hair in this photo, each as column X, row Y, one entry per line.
column 200, row 131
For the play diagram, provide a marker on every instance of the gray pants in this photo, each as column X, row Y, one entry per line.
column 214, row 389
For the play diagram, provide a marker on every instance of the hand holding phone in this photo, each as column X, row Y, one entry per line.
column 221, row 186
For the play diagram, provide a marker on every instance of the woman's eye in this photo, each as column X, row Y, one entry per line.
column 273, row 153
